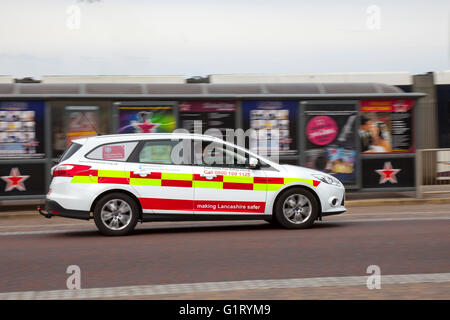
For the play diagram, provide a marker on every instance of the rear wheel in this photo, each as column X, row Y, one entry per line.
column 296, row 208
column 116, row 214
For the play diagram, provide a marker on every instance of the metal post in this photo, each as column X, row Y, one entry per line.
column 419, row 173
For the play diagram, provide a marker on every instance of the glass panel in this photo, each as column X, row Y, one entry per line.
column 74, row 147
column 165, row 152
column 117, row 151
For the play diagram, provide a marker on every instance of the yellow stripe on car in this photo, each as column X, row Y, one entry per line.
column 84, row 179
column 113, row 174
column 177, row 176
column 208, row 184
column 145, row 182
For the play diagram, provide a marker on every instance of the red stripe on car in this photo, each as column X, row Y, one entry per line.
column 269, row 180
column 229, row 206
column 87, row 173
column 166, row 204
column 176, row 183
column 275, row 180
column 152, row 175
column 198, row 177
column 113, row 180
column 260, row 180
column 202, row 205
column 238, row 186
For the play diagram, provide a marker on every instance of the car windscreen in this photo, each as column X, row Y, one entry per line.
column 74, row 147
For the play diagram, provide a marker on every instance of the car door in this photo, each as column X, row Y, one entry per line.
column 162, row 184
column 226, row 186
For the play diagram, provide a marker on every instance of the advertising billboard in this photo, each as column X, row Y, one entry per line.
column 386, row 126
column 22, row 179
column 388, row 172
column 331, row 147
column 443, row 165
column 207, row 115
column 82, row 122
column 22, row 129
column 274, row 124
column 151, row 118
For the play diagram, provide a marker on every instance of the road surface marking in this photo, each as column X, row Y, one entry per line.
column 241, row 223
column 396, row 213
column 149, row 290
column 387, row 219
column 44, row 225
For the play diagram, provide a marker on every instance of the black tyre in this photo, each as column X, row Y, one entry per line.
column 296, row 208
column 116, row 214
column 274, row 222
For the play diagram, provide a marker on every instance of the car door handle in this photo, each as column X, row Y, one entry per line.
column 142, row 173
column 208, row 176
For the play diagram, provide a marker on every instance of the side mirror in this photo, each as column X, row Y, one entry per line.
column 253, row 163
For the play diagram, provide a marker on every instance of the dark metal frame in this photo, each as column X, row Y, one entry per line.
column 155, row 99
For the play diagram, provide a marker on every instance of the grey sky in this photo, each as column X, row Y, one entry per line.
column 209, row 37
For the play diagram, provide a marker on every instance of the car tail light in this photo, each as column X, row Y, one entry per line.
column 69, row 170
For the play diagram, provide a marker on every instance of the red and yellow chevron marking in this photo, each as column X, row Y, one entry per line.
column 187, row 180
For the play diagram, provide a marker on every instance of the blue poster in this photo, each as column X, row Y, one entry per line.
column 274, row 124
column 22, row 129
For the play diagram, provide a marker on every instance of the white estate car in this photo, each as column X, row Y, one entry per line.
column 119, row 180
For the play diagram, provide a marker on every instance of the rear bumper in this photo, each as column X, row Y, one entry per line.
column 54, row 209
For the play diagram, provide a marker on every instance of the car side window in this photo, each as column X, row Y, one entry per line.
column 113, row 151
column 171, row 152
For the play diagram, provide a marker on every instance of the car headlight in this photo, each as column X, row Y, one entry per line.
column 328, row 179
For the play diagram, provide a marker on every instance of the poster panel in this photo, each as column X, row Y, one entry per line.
column 22, row 179
column 386, row 126
column 22, row 129
column 443, row 165
column 275, row 125
column 388, row 172
column 331, row 147
column 82, row 122
column 146, row 119
column 199, row 116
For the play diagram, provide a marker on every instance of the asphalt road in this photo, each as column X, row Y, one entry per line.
column 402, row 240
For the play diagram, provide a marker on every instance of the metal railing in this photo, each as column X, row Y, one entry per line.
column 432, row 172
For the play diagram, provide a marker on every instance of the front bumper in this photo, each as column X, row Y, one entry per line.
column 331, row 213
column 332, row 199
column 54, row 209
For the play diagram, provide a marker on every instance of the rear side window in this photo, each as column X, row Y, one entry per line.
column 71, row 150
column 114, row 151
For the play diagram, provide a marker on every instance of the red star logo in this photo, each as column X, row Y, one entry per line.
column 147, row 127
column 387, row 173
column 14, row 180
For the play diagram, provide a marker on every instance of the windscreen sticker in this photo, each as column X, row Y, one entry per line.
column 113, row 152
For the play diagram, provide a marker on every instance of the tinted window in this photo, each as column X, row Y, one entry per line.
column 114, row 151
column 165, row 152
column 73, row 148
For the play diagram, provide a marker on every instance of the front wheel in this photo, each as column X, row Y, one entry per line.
column 296, row 208
column 116, row 214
